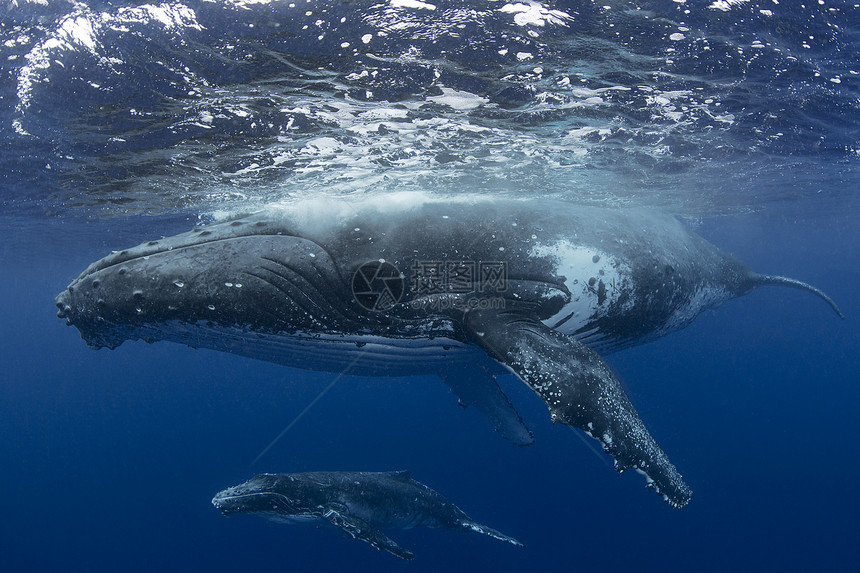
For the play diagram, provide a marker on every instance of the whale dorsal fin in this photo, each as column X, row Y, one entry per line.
column 580, row 390
column 357, row 528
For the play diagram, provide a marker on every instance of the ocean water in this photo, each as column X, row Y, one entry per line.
column 123, row 122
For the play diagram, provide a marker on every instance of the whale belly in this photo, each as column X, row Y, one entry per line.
column 357, row 354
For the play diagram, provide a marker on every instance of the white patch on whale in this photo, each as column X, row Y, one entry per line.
column 578, row 264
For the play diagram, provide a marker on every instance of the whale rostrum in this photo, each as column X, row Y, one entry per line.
column 466, row 288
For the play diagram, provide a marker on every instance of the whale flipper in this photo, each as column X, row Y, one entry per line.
column 495, row 534
column 479, row 388
column 357, row 528
column 580, row 390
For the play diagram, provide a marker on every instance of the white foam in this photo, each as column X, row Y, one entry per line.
column 246, row 3
column 535, row 14
column 458, row 100
column 384, row 113
column 726, row 5
column 412, row 4
column 80, row 31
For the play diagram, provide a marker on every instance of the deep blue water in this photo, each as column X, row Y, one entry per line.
column 123, row 122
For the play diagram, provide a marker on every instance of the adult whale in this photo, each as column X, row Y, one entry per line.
column 407, row 284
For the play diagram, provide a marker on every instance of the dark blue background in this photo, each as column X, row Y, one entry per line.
column 111, row 457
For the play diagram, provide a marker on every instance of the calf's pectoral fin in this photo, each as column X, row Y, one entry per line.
column 580, row 390
column 470, row 525
column 359, row 529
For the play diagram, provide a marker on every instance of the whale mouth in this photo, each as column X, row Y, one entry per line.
column 94, row 330
column 225, row 502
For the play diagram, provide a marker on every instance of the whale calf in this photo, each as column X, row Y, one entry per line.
column 407, row 284
column 359, row 503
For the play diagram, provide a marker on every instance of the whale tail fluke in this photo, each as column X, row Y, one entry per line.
column 785, row 281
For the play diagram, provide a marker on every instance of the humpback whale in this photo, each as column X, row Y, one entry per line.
column 359, row 503
column 404, row 284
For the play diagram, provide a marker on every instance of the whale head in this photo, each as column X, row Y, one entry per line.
column 262, row 494
column 250, row 274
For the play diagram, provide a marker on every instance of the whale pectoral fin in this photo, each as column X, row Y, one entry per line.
column 470, row 525
column 580, row 390
column 359, row 529
column 479, row 388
